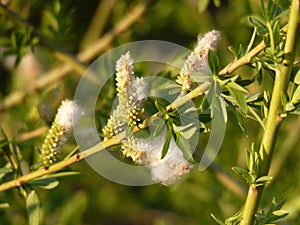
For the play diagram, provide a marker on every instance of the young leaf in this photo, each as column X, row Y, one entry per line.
column 217, row 3
column 213, row 62
column 217, row 219
column 264, row 179
column 186, row 131
column 240, row 99
column 296, row 79
column 258, row 24
column 277, row 215
column 200, row 77
column 45, row 182
column 66, row 174
column 33, row 208
column 3, row 205
column 184, row 146
column 157, row 125
column 160, row 107
column 166, row 144
column 296, row 96
column 202, row 5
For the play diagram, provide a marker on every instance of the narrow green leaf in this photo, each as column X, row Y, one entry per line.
column 71, row 212
column 233, row 51
column 236, row 86
column 263, row 10
column 160, row 107
column 223, row 109
column 277, row 215
column 240, row 99
column 185, row 147
column 280, row 213
column 158, row 126
column 5, row 170
column 200, row 77
column 248, row 158
column 213, row 62
column 4, row 205
column 264, row 179
column 66, row 174
column 296, row 96
column 217, row 219
column 166, row 144
column 258, row 23
column 254, row 97
column 217, row 3
column 186, row 131
column 239, row 170
column 45, row 182
column 73, row 152
column 297, row 78
column 202, row 5
column 33, row 208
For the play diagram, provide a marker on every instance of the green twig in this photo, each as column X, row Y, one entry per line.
column 274, row 119
column 243, row 60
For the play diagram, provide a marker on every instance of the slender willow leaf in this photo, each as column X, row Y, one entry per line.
column 33, row 208
column 213, row 62
column 166, row 144
column 202, row 5
column 45, row 182
column 239, row 98
column 185, row 147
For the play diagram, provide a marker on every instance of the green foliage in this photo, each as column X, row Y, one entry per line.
column 241, row 97
column 33, row 208
column 274, row 214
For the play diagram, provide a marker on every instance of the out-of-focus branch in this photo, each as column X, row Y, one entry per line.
column 97, row 24
column 85, row 56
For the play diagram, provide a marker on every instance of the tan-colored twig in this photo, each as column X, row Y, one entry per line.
column 243, row 60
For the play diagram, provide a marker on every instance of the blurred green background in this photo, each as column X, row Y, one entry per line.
column 93, row 200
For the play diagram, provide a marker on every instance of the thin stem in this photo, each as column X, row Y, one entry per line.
column 243, row 60
column 273, row 120
column 58, row 166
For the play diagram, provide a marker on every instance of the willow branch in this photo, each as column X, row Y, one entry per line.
column 84, row 154
column 273, row 120
column 246, row 59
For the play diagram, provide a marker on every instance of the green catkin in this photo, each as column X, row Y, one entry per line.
column 50, row 148
column 62, row 124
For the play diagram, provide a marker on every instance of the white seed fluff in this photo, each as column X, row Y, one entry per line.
column 67, row 113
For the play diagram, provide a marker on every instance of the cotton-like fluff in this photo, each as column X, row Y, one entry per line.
column 171, row 168
column 148, row 152
column 197, row 60
column 67, row 114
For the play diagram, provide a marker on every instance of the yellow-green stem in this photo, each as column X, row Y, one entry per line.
column 273, row 120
